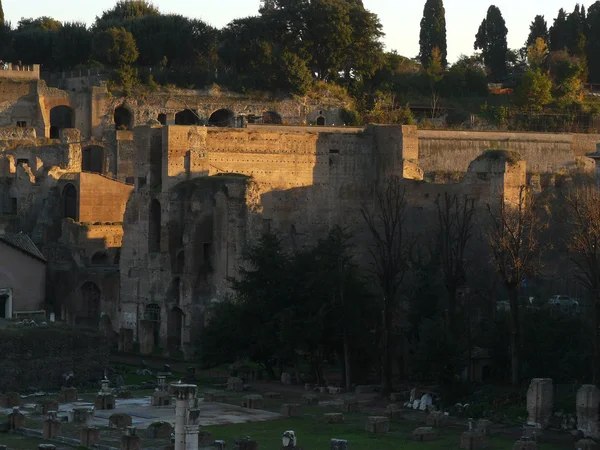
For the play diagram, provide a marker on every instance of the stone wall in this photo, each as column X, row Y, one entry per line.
column 38, row 357
column 544, row 152
column 102, row 199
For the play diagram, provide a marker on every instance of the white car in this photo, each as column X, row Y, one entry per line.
column 563, row 301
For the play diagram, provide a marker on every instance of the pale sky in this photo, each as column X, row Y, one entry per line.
column 400, row 19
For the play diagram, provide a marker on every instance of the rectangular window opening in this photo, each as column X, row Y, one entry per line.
column 334, row 151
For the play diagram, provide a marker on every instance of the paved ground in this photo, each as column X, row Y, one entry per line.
column 143, row 414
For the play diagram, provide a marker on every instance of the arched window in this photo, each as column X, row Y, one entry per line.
column 123, row 119
column 222, row 118
column 69, row 196
column 162, row 118
column 61, row 117
column 154, row 227
column 186, row 117
column 271, row 117
column 92, row 159
column 321, row 121
column 100, row 259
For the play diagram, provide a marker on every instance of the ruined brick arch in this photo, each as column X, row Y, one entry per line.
column 69, row 201
column 100, row 258
column 89, row 311
column 123, row 118
column 187, row 117
column 321, row 121
column 154, row 226
column 92, row 159
column 222, row 118
column 61, row 117
column 271, row 117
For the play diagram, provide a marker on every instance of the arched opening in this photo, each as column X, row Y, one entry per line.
column 61, row 117
column 162, row 118
column 123, row 119
column 92, row 159
column 90, row 304
column 154, row 227
column 321, row 121
column 117, row 258
column 186, row 117
column 69, row 196
column 100, row 259
column 221, row 118
column 271, row 117
column 175, row 327
column 152, row 313
column 174, row 292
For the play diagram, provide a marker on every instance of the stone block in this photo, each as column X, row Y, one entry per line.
column 253, row 401
column 51, row 428
column 333, row 418
column 310, row 399
column 377, row 424
column 131, row 443
column 89, row 436
column 104, row 402
column 10, row 400
column 214, row 396
column 16, row 419
column 81, row 415
column 588, row 418
column 351, row 406
column 119, row 420
column 291, row 410
column 273, row 395
column 424, row 434
column 67, row 395
column 338, row 444
column 235, row 384
column 525, row 445
column 394, row 411
column 436, row 419
column 586, row 444
column 539, row 402
column 159, row 430
column 484, row 426
column 219, row 445
column 161, row 398
column 245, row 444
column 286, row 378
column 473, row 440
column 43, row 406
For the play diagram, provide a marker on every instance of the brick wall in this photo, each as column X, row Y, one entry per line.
column 25, row 275
column 102, row 199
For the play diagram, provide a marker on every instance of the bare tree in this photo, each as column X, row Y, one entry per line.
column 389, row 249
column 584, row 245
column 454, row 230
column 514, row 240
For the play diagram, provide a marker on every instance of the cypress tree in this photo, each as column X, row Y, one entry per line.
column 433, row 32
column 491, row 39
column 537, row 29
column 559, row 32
column 1, row 14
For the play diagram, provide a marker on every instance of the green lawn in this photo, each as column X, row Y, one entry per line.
column 313, row 435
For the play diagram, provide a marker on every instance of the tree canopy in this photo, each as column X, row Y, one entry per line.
column 491, row 40
column 433, row 32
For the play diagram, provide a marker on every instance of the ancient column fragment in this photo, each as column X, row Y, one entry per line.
column 588, row 402
column 539, row 402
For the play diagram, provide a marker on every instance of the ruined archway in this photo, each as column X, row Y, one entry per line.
column 90, row 304
column 123, row 119
column 272, row 118
column 152, row 314
column 162, row 118
column 154, row 227
column 187, row 117
column 175, row 327
column 321, row 121
column 92, row 159
column 100, row 259
column 61, row 117
column 222, row 118
column 69, row 198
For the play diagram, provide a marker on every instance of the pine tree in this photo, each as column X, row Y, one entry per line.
column 537, row 29
column 491, row 39
column 433, row 32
